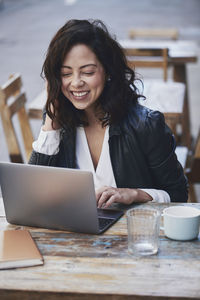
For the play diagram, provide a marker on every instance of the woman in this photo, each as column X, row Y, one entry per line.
column 93, row 121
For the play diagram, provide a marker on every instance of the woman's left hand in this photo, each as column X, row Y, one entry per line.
column 107, row 195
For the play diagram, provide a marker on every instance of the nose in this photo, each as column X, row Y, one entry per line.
column 77, row 81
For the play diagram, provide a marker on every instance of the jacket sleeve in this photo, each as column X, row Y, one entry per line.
column 65, row 158
column 159, row 147
column 37, row 158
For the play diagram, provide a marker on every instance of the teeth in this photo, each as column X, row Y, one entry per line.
column 79, row 94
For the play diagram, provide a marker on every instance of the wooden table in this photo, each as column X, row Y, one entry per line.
column 180, row 54
column 81, row 266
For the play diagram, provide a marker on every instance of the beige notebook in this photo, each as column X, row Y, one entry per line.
column 18, row 249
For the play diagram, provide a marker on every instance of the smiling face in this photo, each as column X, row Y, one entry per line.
column 83, row 77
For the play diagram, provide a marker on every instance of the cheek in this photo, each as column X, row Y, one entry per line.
column 64, row 86
column 98, row 83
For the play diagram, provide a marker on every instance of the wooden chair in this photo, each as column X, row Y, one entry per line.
column 158, row 58
column 166, row 97
column 12, row 101
column 148, row 58
column 193, row 170
column 36, row 107
column 155, row 33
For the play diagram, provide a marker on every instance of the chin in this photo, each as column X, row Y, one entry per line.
column 80, row 107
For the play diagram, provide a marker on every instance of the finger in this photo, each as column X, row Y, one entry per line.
column 111, row 200
column 104, row 197
column 115, row 198
column 99, row 191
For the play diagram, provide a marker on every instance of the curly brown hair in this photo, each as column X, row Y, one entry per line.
column 119, row 92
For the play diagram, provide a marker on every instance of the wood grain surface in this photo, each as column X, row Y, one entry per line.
column 81, row 266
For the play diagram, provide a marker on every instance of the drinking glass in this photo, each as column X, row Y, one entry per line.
column 143, row 230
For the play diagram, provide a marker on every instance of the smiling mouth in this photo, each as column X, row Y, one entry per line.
column 79, row 94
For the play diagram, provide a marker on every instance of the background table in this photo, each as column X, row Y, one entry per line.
column 180, row 54
column 81, row 266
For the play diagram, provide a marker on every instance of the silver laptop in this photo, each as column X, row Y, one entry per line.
column 54, row 198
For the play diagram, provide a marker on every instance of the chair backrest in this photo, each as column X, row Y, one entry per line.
column 155, row 33
column 12, row 101
column 148, row 58
column 158, row 97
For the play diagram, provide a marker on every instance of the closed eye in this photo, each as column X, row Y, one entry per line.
column 66, row 74
column 88, row 73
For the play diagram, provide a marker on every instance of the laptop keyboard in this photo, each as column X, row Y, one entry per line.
column 104, row 222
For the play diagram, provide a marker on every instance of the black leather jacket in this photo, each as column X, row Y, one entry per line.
column 141, row 150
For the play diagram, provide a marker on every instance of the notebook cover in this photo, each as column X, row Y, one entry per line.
column 18, row 249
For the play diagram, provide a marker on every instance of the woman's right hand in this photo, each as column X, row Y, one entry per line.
column 50, row 125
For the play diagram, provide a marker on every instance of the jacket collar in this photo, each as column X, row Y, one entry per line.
column 114, row 129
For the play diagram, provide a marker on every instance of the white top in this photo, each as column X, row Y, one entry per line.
column 84, row 160
column 48, row 143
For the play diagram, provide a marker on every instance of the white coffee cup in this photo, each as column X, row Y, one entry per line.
column 181, row 222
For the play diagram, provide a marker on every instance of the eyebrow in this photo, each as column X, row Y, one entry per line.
column 88, row 65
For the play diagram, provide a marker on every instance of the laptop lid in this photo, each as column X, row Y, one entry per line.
column 50, row 197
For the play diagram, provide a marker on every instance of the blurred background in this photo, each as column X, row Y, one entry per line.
column 27, row 26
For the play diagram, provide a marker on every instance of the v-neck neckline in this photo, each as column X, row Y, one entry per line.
column 86, row 146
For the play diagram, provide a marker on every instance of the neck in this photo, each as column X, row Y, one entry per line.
column 92, row 119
